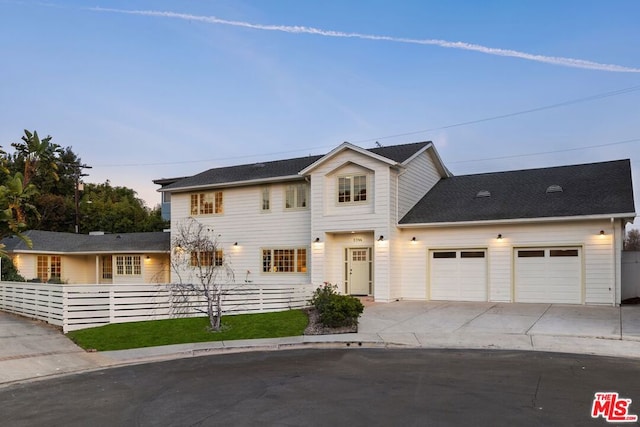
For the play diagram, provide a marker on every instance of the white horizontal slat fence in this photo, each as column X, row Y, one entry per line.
column 84, row 306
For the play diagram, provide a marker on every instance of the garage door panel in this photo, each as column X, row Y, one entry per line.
column 459, row 275
column 548, row 275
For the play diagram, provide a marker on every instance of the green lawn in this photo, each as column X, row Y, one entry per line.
column 120, row 336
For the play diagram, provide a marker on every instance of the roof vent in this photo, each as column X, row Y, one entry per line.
column 555, row 188
column 484, row 193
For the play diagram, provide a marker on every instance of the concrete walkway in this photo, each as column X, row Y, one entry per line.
column 30, row 349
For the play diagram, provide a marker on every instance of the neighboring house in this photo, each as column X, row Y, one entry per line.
column 392, row 222
column 165, row 205
column 125, row 258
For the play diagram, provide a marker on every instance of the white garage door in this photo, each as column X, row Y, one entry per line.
column 550, row 275
column 459, row 275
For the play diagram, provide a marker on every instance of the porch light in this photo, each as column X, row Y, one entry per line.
column 413, row 239
column 148, row 257
column 601, row 233
column 381, row 238
column 499, row 237
column 317, row 240
column 235, row 244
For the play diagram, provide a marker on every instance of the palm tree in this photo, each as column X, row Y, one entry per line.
column 39, row 156
column 14, row 205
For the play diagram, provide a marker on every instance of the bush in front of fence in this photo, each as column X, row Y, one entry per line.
column 336, row 310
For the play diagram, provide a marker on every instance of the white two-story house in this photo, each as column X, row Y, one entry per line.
column 393, row 223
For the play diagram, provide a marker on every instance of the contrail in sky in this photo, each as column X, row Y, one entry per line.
column 295, row 29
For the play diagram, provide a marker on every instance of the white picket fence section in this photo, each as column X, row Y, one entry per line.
column 84, row 306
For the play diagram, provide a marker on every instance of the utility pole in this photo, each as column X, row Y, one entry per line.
column 77, row 175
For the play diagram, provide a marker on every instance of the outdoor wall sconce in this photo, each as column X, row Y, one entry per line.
column 317, row 240
column 148, row 257
column 235, row 244
column 381, row 238
column 601, row 233
column 499, row 236
column 413, row 239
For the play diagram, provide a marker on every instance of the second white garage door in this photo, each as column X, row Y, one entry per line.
column 458, row 275
column 548, row 275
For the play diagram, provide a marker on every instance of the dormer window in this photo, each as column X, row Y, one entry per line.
column 483, row 193
column 555, row 188
column 352, row 189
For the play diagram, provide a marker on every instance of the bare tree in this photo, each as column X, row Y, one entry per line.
column 200, row 267
column 632, row 240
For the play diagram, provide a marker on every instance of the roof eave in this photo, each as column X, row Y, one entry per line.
column 137, row 251
column 626, row 216
column 234, row 183
column 342, row 147
column 442, row 169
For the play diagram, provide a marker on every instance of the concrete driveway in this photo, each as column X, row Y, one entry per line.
column 30, row 349
column 33, row 349
column 601, row 330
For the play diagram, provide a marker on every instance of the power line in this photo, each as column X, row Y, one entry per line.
column 626, row 141
column 470, row 122
column 517, row 113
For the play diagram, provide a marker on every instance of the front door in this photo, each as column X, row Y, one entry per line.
column 359, row 271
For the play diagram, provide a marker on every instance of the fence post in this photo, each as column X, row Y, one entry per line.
column 65, row 309
column 112, row 304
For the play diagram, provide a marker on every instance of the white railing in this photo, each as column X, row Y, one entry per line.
column 83, row 306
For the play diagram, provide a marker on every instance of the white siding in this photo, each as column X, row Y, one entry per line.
column 419, row 177
column 599, row 277
column 244, row 222
column 155, row 269
column 334, row 224
column 78, row 269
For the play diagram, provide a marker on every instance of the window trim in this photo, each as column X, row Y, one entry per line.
column 217, row 203
column 210, row 258
column 121, row 268
column 265, row 191
column 294, row 207
column 45, row 266
column 299, row 264
column 352, row 189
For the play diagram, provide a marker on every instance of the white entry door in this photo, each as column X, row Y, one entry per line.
column 359, row 271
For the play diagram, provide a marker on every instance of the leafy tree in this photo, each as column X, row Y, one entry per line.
column 632, row 241
column 15, row 207
column 9, row 271
column 54, row 171
column 116, row 210
column 40, row 157
column 57, row 213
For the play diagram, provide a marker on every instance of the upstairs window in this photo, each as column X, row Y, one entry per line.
column 352, row 189
column 206, row 203
column 266, row 199
column 297, row 196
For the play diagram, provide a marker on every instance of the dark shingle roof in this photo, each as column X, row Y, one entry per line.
column 240, row 173
column 399, row 153
column 590, row 189
column 50, row 241
column 279, row 168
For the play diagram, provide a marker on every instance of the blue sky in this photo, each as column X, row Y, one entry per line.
column 182, row 86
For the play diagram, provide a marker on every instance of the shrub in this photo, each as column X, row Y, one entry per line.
column 336, row 310
column 9, row 271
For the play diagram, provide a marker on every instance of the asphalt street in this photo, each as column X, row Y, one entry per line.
column 332, row 387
